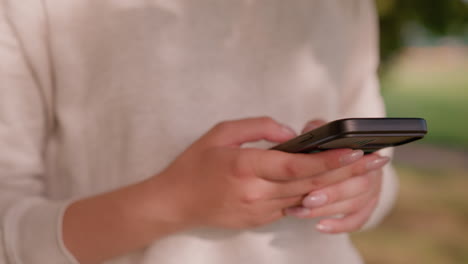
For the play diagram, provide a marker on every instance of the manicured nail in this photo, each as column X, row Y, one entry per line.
column 377, row 163
column 315, row 200
column 323, row 228
column 351, row 157
column 288, row 131
column 297, row 211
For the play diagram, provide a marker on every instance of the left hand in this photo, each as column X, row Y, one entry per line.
column 353, row 199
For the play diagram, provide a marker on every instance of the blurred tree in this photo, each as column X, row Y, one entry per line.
column 436, row 17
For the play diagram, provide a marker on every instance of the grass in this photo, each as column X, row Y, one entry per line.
column 429, row 223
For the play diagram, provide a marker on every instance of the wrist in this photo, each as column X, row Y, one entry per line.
column 159, row 205
column 107, row 225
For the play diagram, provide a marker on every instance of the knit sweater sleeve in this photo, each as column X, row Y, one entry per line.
column 30, row 222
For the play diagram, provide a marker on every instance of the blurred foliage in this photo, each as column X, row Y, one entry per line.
column 430, row 218
column 432, row 85
column 435, row 17
column 439, row 97
column 428, row 224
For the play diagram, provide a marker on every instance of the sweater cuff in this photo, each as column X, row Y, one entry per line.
column 33, row 233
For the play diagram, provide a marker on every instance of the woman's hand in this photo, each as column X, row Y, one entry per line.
column 214, row 183
column 217, row 183
column 353, row 199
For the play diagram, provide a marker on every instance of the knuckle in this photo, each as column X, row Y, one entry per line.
column 250, row 197
column 291, row 169
column 222, row 126
column 317, row 183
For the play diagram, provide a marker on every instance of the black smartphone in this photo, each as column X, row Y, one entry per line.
column 368, row 134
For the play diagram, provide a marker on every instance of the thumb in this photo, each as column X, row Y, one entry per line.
column 237, row 132
column 313, row 124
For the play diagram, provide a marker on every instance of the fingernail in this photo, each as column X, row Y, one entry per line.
column 377, row 163
column 297, row 211
column 323, row 228
column 315, row 200
column 289, row 131
column 351, row 157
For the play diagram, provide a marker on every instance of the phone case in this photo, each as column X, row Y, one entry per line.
column 369, row 134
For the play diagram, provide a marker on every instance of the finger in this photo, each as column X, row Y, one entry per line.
column 313, row 124
column 345, row 207
column 366, row 164
column 343, row 190
column 349, row 223
column 276, row 215
column 280, row 204
column 280, row 166
column 340, row 191
column 237, row 132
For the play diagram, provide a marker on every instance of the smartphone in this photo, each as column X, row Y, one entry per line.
column 368, row 134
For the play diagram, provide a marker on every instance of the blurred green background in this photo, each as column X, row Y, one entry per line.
column 424, row 73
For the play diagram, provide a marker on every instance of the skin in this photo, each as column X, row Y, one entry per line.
column 216, row 183
column 354, row 198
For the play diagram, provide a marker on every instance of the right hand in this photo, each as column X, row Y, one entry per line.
column 217, row 183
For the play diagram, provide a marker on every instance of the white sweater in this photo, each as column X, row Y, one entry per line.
column 95, row 95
